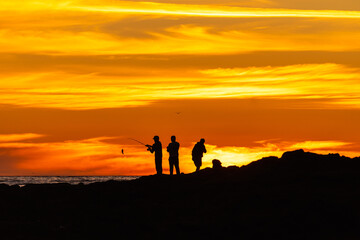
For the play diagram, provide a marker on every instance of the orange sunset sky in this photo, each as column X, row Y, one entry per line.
column 253, row 77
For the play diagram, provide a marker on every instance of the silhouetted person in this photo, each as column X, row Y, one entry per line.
column 216, row 164
column 173, row 149
column 157, row 148
column 197, row 153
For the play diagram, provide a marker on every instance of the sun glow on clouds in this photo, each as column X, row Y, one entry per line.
column 130, row 7
column 99, row 157
column 91, row 91
column 183, row 39
column 217, row 11
column 83, row 157
column 327, row 71
column 18, row 137
column 243, row 155
column 121, row 27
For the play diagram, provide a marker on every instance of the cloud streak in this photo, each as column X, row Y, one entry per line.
column 199, row 11
column 336, row 82
column 187, row 10
column 19, row 137
column 93, row 28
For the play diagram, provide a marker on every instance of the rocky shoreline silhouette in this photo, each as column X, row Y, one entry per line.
column 301, row 195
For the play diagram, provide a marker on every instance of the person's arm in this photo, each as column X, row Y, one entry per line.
column 152, row 149
column 204, row 149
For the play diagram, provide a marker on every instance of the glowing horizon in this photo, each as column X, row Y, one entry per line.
column 69, row 157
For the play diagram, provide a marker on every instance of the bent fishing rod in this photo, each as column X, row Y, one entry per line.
column 146, row 145
column 138, row 141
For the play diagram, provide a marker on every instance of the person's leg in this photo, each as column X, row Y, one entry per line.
column 158, row 166
column 171, row 166
column 197, row 165
column 176, row 162
column 196, row 162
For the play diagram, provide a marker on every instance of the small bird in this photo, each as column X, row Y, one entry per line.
column 122, row 151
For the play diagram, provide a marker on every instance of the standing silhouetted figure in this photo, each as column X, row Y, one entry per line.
column 173, row 149
column 157, row 148
column 197, row 153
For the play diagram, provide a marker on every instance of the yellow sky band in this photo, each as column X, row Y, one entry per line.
column 153, row 8
column 199, row 11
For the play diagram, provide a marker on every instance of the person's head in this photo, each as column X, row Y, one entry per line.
column 173, row 138
column 156, row 138
column 202, row 141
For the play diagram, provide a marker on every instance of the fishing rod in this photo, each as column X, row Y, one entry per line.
column 146, row 145
column 137, row 141
column 149, row 147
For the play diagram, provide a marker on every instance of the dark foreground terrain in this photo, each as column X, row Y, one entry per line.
column 299, row 196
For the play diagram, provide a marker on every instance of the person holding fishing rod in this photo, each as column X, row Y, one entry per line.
column 157, row 148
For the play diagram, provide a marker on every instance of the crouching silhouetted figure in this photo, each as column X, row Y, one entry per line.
column 173, row 149
column 216, row 164
column 157, row 148
column 197, row 153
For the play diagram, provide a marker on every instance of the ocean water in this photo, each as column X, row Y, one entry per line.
column 23, row 180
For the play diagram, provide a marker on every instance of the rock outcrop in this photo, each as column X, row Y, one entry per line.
column 298, row 196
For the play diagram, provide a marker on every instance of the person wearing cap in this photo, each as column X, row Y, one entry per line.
column 157, row 149
column 173, row 149
column 197, row 153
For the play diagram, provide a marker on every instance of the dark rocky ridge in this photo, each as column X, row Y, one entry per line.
column 298, row 196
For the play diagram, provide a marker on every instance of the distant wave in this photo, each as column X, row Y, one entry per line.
column 23, row 180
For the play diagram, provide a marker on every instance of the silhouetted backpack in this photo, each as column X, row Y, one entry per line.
column 196, row 150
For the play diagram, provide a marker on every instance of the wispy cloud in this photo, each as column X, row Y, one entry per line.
column 316, row 145
column 127, row 27
column 19, row 137
column 130, row 7
column 336, row 82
